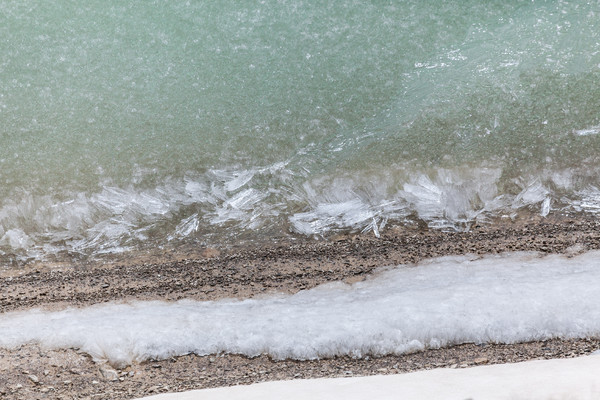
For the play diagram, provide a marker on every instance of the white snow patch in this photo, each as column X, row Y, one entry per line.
column 502, row 298
column 565, row 379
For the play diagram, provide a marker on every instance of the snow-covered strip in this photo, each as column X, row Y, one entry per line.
column 499, row 298
column 567, row 379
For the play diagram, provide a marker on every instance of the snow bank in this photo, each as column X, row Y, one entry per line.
column 533, row 380
column 500, row 298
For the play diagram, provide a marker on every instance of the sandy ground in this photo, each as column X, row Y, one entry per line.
column 205, row 274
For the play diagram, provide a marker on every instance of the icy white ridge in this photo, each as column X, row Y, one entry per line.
column 503, row 298
column 593, row 130
column 114, row 218
column 449, row 199
column 222, row 203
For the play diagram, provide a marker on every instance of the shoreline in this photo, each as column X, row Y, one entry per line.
column 212, row 274
column 252, row 272
column 31, row 372
column 539, row 379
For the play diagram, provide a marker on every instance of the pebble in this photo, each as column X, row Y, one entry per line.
column 108, row 373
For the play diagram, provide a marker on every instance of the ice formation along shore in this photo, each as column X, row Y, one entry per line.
column 221, row 204
column 440, row 302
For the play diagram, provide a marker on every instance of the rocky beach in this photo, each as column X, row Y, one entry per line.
column 34, row 372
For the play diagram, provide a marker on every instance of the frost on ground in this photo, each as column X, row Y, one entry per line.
column 440, row 302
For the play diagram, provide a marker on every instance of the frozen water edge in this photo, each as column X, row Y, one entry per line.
column 440, row 302
column 542, row 380
column 224, row 205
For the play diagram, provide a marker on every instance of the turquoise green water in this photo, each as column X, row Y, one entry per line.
column 147, row 123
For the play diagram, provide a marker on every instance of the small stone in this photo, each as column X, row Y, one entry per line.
column 46, row 372
column 67, row 382
column 44, row 390
column 18, row 386
column 105, row 285
column 33, row 379
column 210, row 252
column 95, row 382
column 108, row 373
column 156, row 366
column 481, row 360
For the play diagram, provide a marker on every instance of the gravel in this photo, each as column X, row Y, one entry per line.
column 30, row 372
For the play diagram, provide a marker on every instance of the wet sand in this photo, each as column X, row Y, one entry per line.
column 207, row 274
